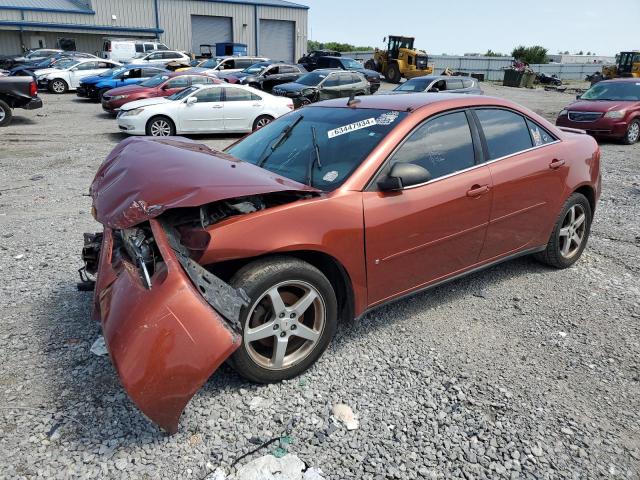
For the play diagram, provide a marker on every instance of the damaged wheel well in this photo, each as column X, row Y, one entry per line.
column 329, row 266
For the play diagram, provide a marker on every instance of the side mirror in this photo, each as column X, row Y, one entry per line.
column 74, row 69
column 434, row 90
column 403, row 175
column 191, row 100
column 578, row 97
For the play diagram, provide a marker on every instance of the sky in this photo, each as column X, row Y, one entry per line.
column 605, row 27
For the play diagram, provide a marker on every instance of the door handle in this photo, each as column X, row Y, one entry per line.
column 477, row 190
column 256, row 105
column 216, row 106
column 555, row 164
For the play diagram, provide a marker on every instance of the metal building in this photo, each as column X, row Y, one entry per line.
column 275, row 29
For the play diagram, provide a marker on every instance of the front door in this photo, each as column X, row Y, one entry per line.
column 204, row 116
column 528, row 176
column 331, row 87
column 424, row 233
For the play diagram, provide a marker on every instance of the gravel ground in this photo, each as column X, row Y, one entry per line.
column 516, row 372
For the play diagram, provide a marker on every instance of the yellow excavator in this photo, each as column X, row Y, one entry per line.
column 628, row 65
column 399, row 60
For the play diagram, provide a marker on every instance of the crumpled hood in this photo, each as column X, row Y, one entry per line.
column 600, row 105
column 143, row 177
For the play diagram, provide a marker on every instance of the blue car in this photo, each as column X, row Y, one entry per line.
column 94, row 87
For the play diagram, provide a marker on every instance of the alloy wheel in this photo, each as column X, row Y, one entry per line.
column 3, row 114
column 58, row 87
column 573, row 230
column 160, row 128
column 264, row 121
column 633, row 134
column 284, row 325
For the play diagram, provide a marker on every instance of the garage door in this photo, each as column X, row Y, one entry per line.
column 277, row 39
column 207, row 29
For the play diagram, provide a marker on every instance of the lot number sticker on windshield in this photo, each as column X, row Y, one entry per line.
column 351, row 127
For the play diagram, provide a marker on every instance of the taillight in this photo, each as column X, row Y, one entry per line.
column 33, row 89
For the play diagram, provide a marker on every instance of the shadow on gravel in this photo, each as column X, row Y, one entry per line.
column 116, row 136
column 18, row 120
column 86, row 390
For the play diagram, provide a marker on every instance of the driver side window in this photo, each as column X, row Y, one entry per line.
column 180, row 82
column 442, row 145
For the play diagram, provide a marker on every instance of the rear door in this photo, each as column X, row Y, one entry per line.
column 204, row 116
column 241, row 108
column 425, row 233
column 528, row 180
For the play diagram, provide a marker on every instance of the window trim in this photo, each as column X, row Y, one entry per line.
column 371, row 185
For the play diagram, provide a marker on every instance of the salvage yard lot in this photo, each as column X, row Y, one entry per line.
column 518, row 371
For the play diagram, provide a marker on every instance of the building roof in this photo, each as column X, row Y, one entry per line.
column 262, row 3
column 68, row 6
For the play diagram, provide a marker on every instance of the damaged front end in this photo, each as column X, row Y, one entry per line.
column 168, row 322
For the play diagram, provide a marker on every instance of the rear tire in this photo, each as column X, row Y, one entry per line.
column 160, row 126
column 633, row 133
column 262, row 121
column 58, row 86
column 304, row 335
column 393, row 73
column 371, row 65
column 5, row 114
column 570, row 234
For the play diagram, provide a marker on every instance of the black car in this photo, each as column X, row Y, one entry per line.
column 323, row 85
column 439, row 83
column 266, row 75
column 17, row 92
column 310, row 60
column 346, row 63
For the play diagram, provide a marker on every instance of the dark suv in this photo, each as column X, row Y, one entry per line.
column 266, row 75
column 310, row 60
column 345, row 63
column 323, row 85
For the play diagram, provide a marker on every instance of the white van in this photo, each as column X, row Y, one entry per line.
column 120, row 50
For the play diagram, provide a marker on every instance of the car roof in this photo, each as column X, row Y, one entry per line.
column 414, row 101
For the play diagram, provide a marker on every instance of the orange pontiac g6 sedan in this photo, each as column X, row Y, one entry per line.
column 253, row 255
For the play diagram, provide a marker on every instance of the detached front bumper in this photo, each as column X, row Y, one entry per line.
column 165, row 340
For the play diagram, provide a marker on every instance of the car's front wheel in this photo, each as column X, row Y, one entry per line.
column 161, row 127
column 633, row 133
column 58, row 86
column 5, row 114
column 570, row 233
column 291, row 318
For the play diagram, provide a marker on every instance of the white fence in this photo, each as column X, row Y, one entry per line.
column 493, row 67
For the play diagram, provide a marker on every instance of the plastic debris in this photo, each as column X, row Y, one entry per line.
column 99, row 347
column 268, row 467
column 345, row 414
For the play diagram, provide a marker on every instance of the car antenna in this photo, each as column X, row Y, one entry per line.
column 353, row 101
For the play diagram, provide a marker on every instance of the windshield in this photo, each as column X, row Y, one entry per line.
column 182, row 93
column 256, row 68
column 345, row 137
column 311, row 79
column 414, row 85
column 154, row 81
column 629, row 91
column 350, row 64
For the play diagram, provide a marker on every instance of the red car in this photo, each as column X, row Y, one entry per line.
column 253, row 255
column 161, row 85
column 609, row 109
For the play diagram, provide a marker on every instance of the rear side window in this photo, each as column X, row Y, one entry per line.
column 539, row 135
column 506, row 132
column 345, row 79
column 468, row 83
column 237, row 95
column 443, row 146
column 139, row 48
column 454, row 84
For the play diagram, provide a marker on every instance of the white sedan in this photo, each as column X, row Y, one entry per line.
column 203, row 109
column 67, row 75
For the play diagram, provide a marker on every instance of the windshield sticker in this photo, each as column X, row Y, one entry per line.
column 537, row 137
column 330, row 176
column 351, row 127
column 387, row 118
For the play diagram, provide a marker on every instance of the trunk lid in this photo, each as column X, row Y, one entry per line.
column 143, row 177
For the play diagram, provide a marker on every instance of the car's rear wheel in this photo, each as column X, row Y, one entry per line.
column 5, row 114
column 570, row 233
column 633, row 133
column 291, row 318
column 262, row 121
column 161, row 127
column 58, row 86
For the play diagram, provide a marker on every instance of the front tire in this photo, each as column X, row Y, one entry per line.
column 5, row 114
column 160, row 127
column 58, row 86
column 262, row 121
column 291, row 318
column 570, row 233
column 633, row 133
column 393, row 73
